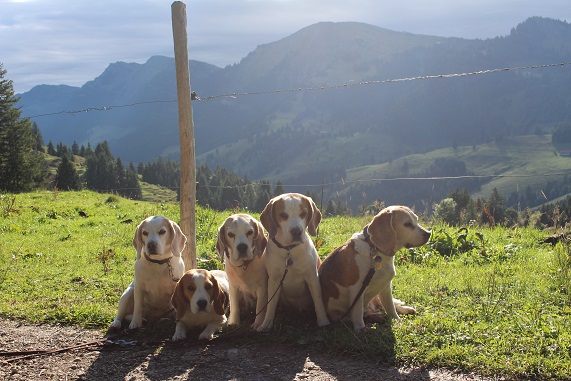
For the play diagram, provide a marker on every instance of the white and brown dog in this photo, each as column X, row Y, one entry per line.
column 241, row 243
column 200, row 300
column 290, row 248
column 159, row 243
column 367, row 254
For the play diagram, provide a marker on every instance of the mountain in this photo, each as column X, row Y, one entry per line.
column 313, row 136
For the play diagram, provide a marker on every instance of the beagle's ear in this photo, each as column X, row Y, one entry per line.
column 382, row 233
column 179, row 300
column 178, row 239
column 138, row 239
column 267, row 219
column 221, row 243
column 218, row 297
column 260, row 240
column 314, row 218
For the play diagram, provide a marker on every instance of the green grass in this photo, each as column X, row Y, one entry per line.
column 490, row 300
column 533, row 156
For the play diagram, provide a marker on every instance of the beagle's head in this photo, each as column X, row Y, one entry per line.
column 240, row 238
column 157, row 235
column 396, row 227
column 286, row 217
column 200, row 291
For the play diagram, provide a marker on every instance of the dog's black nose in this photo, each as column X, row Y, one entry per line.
column 242, row 248
column 201, row 303
column 152, row 247
column 296, row 233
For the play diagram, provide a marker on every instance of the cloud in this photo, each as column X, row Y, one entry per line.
column 71, row 42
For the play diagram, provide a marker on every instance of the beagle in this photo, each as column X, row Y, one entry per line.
column 200, row 299
column 291, row 258
column 371, row 251
column 241, row 243
column 159, row 265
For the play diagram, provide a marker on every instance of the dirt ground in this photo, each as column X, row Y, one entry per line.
column 24, row 355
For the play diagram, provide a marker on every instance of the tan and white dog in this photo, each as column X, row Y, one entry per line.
column 241, row 243
column 159, row 243
column 200, row 300
column 290, row 247
column 344, row 270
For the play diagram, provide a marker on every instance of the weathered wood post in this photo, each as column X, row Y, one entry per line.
column 186, row 132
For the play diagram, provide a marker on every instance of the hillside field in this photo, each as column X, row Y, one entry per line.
column 493, row 301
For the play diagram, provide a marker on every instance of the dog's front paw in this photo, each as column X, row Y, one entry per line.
column 265, row 326
column 323, row 322
column 135, row 324
column 206, row 335
column 179, row 336
column 116, row 324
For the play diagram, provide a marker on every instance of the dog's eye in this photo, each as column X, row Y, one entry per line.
column 231, row 235
column 250, row 232
column 207, row 286
column 145, row 233
column 303, row 214
column 408, row 224
column 162, row 231
column 284, row 216
column 191, row 288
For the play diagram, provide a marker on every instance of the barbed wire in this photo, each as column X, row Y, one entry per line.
column 194, row 95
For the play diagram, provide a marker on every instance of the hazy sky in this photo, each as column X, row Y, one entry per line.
column 73, row 41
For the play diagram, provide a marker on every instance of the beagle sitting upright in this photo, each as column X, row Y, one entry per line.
column 369, row 253
column 159, row 243
column 290, row 248
column 241, row 243
column 200, row 300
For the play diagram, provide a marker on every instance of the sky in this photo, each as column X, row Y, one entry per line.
column 71, row 42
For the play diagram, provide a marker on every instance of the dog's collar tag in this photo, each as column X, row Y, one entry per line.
column 377, row 262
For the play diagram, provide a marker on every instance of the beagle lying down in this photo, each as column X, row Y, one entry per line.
column 371, row 252
column 201, row 300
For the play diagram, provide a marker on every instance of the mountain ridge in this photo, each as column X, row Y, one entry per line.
column 316, row 134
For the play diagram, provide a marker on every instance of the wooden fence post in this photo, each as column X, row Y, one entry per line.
column 186, row 132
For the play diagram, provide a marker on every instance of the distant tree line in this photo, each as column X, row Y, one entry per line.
column 218, row 189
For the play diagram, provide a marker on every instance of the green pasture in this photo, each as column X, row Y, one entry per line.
column 494, row 301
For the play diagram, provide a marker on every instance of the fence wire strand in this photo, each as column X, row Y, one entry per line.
column 314, row 88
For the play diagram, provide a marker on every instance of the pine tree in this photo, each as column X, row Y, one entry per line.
column 22, row 167
column 66, row 176
column 51, row 149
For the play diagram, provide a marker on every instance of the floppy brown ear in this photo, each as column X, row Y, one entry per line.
column 267, row 219
column 314, row 219
column 179, row 300
column 138, row 239
column 260, row 240
column 178, row 238
column 218, row 297
column 221, row 243
column 382, row 233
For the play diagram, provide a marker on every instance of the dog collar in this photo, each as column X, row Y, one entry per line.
column 374, row 249
column 158, row 261
column 288, row 248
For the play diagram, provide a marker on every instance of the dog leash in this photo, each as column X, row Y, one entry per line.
column 376, row 263
column 162, row 262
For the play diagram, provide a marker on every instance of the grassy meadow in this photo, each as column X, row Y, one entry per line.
column 494, row 301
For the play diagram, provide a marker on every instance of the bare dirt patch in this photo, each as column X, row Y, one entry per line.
column 125, row 356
